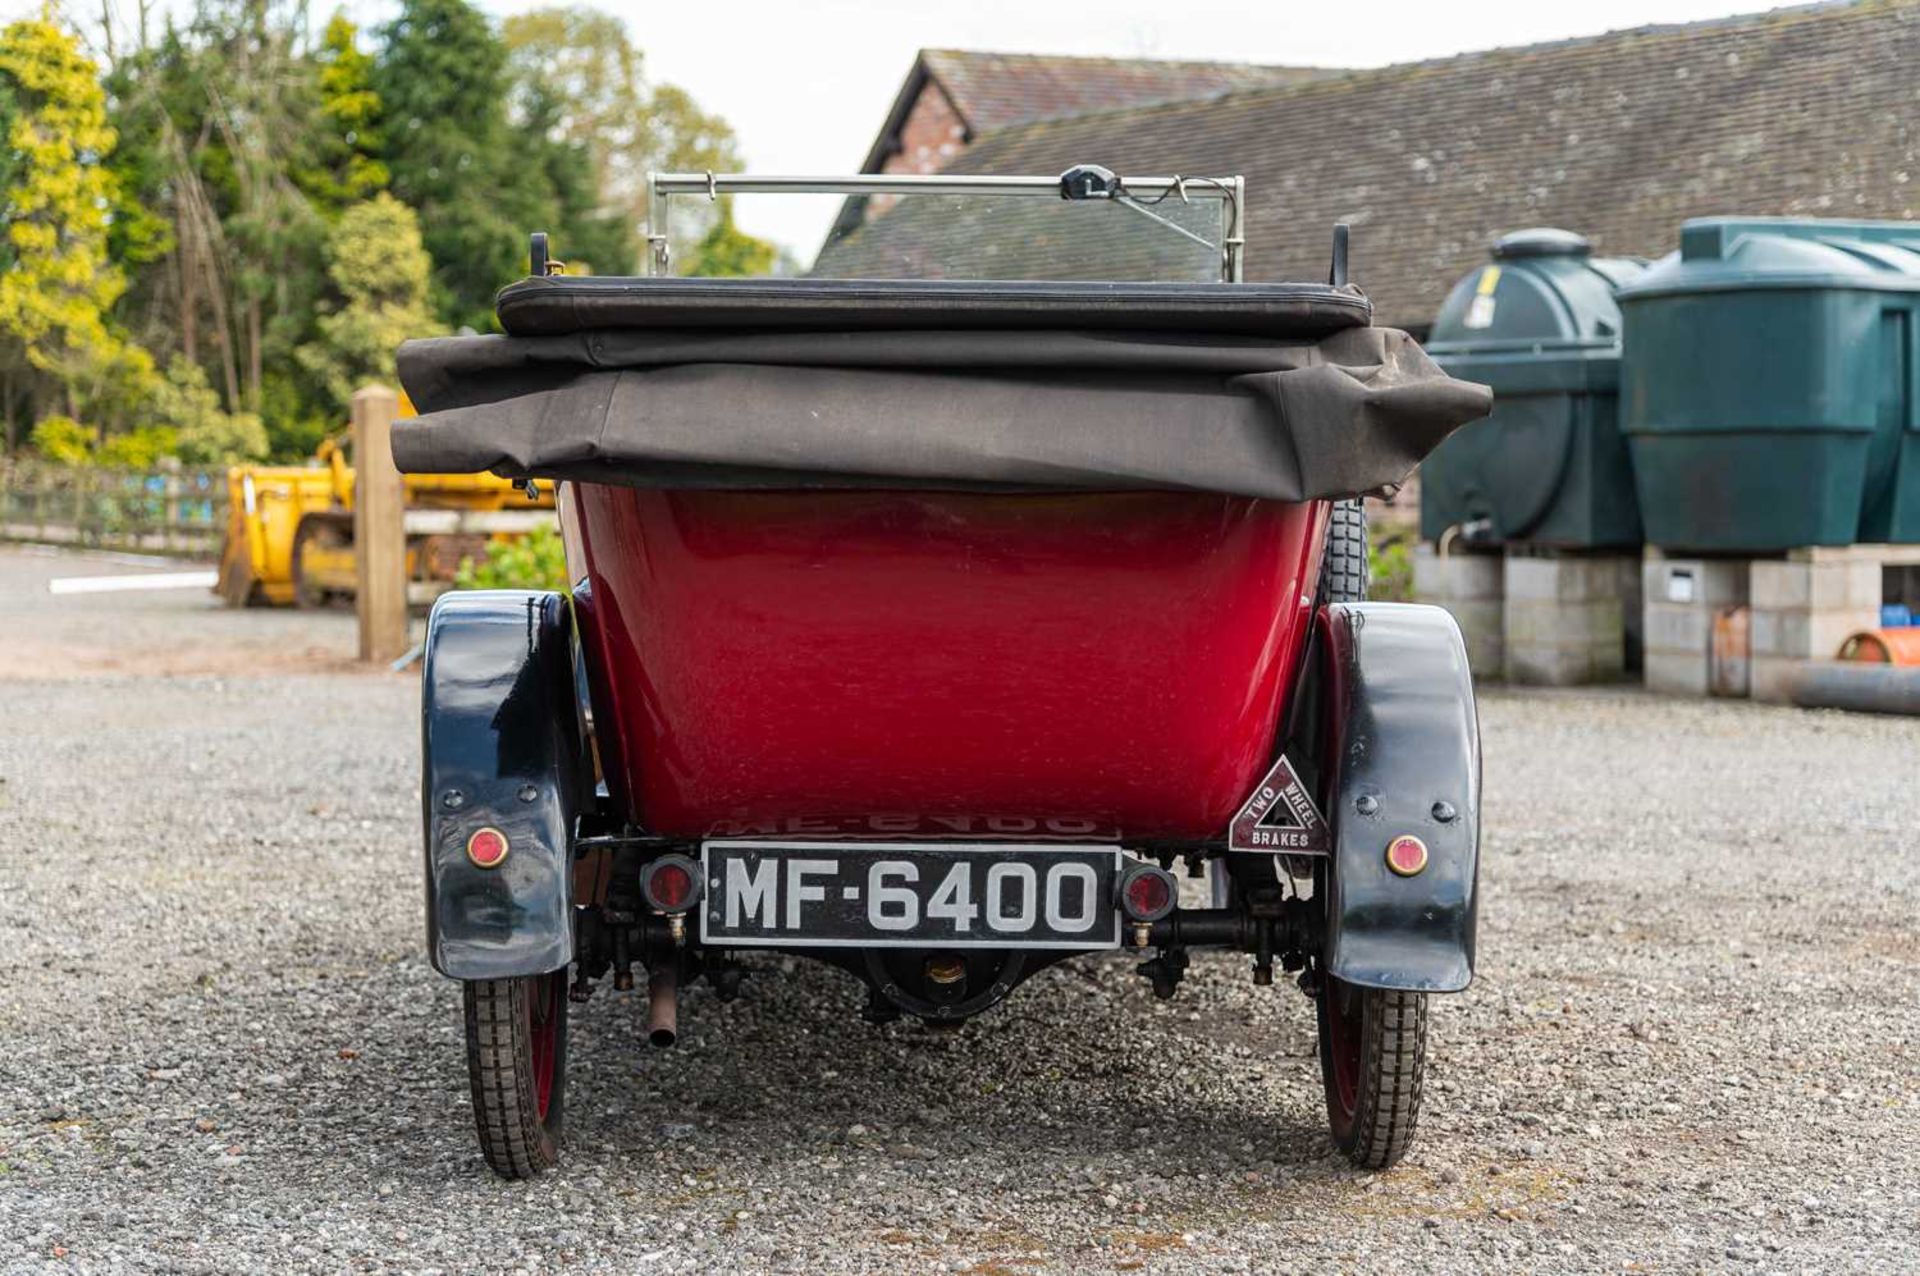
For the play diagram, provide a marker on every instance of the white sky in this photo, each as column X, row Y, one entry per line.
column 806, row 83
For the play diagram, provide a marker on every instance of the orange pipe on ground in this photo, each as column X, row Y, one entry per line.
column 1884, row 646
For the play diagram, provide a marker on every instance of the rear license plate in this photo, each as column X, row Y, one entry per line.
column 909, row 895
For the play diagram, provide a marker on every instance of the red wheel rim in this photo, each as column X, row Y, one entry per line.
column 1343, row 1045
column 543, row 1033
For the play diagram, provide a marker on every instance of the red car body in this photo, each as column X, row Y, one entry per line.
column 960, row 664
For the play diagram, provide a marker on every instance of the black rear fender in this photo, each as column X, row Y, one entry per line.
column 501, row 745
column 1403, row 758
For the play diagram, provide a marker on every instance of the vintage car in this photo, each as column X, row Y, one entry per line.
column 926, row 627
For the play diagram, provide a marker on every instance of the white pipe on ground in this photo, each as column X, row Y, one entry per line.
column 121, row 584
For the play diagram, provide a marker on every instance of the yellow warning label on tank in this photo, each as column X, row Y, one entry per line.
column 1480, row 309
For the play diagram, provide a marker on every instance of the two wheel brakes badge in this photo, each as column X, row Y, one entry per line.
column 1280, row 818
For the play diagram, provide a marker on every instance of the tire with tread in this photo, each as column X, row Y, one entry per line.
column 1373, row 1042
column 516, row 1062
column 1373, row 1051
column 1345, row 568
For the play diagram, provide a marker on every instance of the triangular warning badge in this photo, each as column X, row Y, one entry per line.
column 1280, row 818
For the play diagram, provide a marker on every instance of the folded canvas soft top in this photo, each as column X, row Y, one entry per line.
column 1269, row 390
column 562, row 303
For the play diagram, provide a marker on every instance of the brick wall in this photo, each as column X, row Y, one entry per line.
column 932, row 134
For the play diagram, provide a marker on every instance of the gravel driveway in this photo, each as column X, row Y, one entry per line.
column 1690, row 1046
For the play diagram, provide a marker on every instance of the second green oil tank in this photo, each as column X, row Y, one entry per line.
column 1768, row 385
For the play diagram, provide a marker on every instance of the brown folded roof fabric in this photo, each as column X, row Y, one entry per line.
column 1275, row 391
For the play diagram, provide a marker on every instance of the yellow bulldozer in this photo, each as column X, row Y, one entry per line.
column 289, row 538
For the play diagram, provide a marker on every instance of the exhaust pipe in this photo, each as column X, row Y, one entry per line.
column 663, row 1007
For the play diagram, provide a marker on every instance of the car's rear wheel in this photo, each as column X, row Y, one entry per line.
column 1372, row 1042
column 516, row 1061
column 1373, row 1049
column 1346, row 566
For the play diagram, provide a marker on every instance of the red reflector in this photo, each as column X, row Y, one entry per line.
column 1147, row 893
column 487, row 847
column 671, row 884
column 1406, row 855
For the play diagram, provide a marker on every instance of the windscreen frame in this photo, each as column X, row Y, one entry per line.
column 1140, row 192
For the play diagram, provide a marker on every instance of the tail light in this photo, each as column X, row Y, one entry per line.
column 1147, row 893
column 487, row 847
column 671, row 884
column 1406, row 855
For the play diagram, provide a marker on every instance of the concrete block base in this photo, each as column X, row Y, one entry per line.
column 1676, row 673
column 1549, row 621
column 1799, row 607
column 1805, row 606
column 1470, row 587
column 1566, row 618
column 1682, row 597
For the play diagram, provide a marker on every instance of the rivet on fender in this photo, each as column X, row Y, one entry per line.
column 1406, row 855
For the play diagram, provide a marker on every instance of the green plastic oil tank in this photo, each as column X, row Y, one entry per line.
column 1768, row 385
column 1549, row 466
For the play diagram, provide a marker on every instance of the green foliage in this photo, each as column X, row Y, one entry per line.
column 1391, row 561
column 726, row 250
column 443, row 82
column 348, row 144
column 266, row 215
column 217, row 122
column 139, row 234
column 9, row 161
column 297, row 419
column 580, row 85
column 379, row 270
column 63, row 439
column 537, row 560
column 187, row 423
column 142, row 235
column 592, row 238
column 141, row 448
column 205, row 434
column 56, row 294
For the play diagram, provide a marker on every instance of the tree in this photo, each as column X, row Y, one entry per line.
column 141, row 448
column 262, row 104
column 726, row 250
column 9, row 160
column 218, row 120
column 213, row 205
column 63, row 440
column 589, row 234
column 56, row 294
column 154, row 236
column 139, row 232
column 380, row 271
column 202, row 432
column 580, row 85
column 347, row 164
column 11, row 395
column 442, row 81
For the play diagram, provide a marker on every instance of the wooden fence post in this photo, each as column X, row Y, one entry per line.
column 379, row 533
